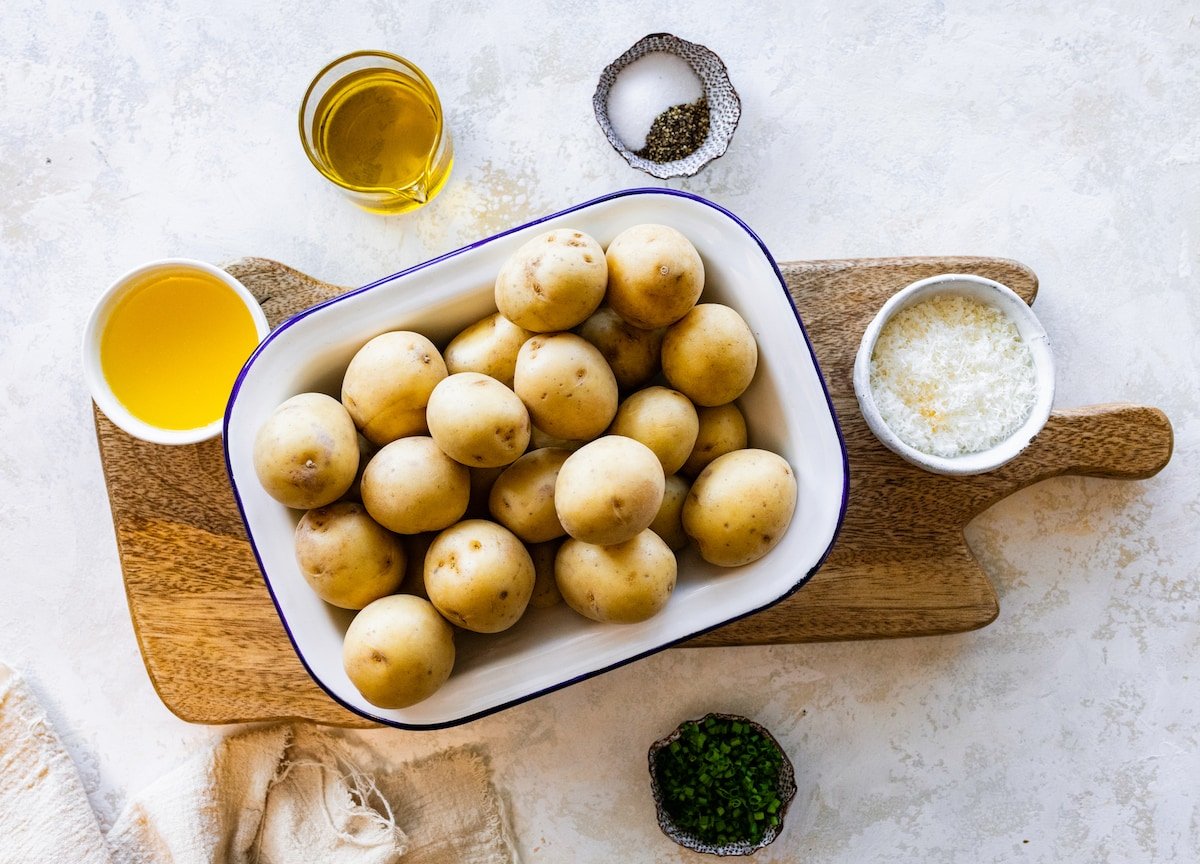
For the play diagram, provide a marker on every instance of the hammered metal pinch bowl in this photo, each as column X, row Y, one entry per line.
column 724, row 105
column 786, row 791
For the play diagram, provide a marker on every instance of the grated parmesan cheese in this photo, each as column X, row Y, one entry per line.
column 951, row 376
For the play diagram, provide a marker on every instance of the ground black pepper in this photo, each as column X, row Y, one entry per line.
column 677, row 132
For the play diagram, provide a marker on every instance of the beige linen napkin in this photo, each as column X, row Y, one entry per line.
column 44, row 813
column 276, row 795
column 273, row 796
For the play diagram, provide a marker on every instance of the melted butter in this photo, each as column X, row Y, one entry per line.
column 173, row 346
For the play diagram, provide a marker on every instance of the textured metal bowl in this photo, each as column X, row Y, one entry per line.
column 786, row 791
column 724, row 106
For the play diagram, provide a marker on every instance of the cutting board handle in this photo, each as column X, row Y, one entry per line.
column 1121, row 441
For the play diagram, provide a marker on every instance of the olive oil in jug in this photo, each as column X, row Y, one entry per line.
column 372, row 123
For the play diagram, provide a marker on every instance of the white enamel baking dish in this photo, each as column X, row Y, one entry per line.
column 787, row 409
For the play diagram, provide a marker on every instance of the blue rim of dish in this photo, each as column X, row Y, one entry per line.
column 459, row 721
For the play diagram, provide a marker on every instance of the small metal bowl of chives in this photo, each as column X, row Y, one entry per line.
column 721, row 784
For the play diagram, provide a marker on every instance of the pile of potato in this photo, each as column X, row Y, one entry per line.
column 543, row 449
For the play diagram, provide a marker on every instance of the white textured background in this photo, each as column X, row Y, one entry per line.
column 1066, row 138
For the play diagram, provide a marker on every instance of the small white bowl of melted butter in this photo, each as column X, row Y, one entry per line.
column 955, row 374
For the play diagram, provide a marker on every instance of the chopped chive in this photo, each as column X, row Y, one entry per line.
column 720, row 781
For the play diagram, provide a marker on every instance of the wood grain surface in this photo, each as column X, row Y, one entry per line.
column 217, row 653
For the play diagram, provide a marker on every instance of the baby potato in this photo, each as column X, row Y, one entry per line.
column 477, row 421
column 722, row 430
column 553, row 281
column 655, row 275
column 522, row 498
column 710, row 355
column 482, row 481
column 411, row 486
column 668, row 522
column 624, row 583
column 631, row 353
column 609, row 490
column 306, row 454
column 740, row 506
column 539, row 440
column 415, row 547
column 489, row 346
column 398, row 651
column 664, row 420
column 545, row 589
column 347, row 557
column 387, row 385
column 365, row 451
column 479, row 575
column 566, row 385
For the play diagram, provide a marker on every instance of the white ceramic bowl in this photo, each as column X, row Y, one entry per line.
column 1032, row 333
column 787, row 409
column 102, row 393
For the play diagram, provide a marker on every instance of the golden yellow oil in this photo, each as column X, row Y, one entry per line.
column 379, row 131
column 173, row 346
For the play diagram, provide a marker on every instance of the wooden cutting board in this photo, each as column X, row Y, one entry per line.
column 217, row 653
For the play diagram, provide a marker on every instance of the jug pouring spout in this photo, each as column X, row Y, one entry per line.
column 419, row 191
